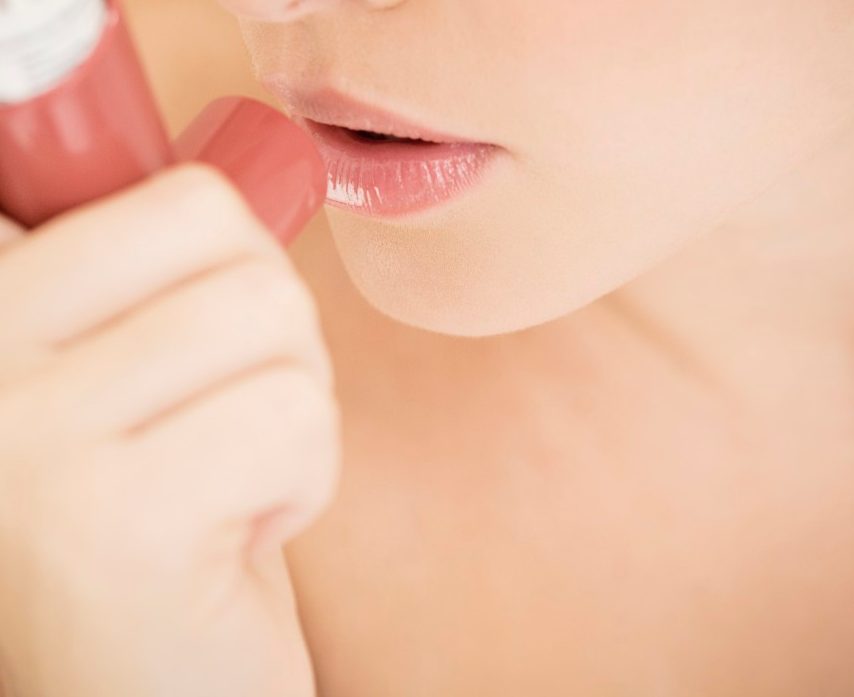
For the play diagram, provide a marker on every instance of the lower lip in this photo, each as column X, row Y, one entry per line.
column 388, row 179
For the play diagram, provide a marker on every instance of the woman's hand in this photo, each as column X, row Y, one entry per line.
column 166, row 422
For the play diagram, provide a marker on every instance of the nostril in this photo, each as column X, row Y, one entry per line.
column 383, row 4
column 292, row 10
column 282, row 11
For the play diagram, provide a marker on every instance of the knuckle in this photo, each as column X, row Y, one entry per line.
column 265, row 279
column 200, row 183
column 310, row 408
column 204, row 193
column 319, row 429
column 10, row 233
column 278, row 297
column 238, row 299
column 312, row 434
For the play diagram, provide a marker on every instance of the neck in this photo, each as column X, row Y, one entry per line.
column 776, row 280
column 758, row 310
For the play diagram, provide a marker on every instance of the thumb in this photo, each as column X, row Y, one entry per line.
column 10, row 232
column 271, row 160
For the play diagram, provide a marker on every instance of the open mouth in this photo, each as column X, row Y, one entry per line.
column 386, row 175
column 381, row 134
column 374, row 137
column 379, row 163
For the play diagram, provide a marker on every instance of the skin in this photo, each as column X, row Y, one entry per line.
column 124, row 390
column 649, row 490
column 636, row 128
column 650, row 494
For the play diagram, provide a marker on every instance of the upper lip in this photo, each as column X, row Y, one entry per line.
column 333, row 107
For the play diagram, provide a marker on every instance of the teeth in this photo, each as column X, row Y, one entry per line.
column 371, row 135
column 374, row 137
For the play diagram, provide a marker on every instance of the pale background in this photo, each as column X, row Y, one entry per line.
column 193, row 53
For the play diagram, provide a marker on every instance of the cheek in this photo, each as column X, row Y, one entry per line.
column 634, row 127
column 649, row 125
column 695, row 105
column 634, row 131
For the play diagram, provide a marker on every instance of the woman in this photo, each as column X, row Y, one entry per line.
column 597, row 440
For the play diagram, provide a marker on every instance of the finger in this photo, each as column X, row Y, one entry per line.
column 86, row 267
column 10, row 232
column 260, row 454
column 182, row 344
column 17, row 360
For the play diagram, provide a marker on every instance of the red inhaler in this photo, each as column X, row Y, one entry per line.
column 78, row 121
column 92, row 129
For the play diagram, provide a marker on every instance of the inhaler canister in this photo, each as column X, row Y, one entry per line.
column 77, row 117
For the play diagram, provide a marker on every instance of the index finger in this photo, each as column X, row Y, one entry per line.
column 10, row 232
column 87, row 266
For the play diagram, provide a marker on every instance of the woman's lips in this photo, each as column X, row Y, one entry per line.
column 388, row 177
column 382, row 165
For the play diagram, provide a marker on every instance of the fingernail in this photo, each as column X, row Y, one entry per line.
column 266, row 155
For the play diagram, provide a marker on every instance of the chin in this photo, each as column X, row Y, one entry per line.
column 455, row 321
column 452, row 280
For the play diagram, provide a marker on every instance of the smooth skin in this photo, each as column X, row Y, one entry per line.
column 163, row 432
column 629, row 130
column 651, row 496
column 646, row 487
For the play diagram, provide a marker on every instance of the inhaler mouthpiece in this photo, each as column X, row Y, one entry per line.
column 41, row 41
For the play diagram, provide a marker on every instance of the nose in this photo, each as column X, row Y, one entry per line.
column 290, row 10
column 383, row 4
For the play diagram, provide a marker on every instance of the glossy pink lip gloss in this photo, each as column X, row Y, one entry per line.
column 80, row 124
column 78, row 121
column 393, row 178
column 379, row 164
